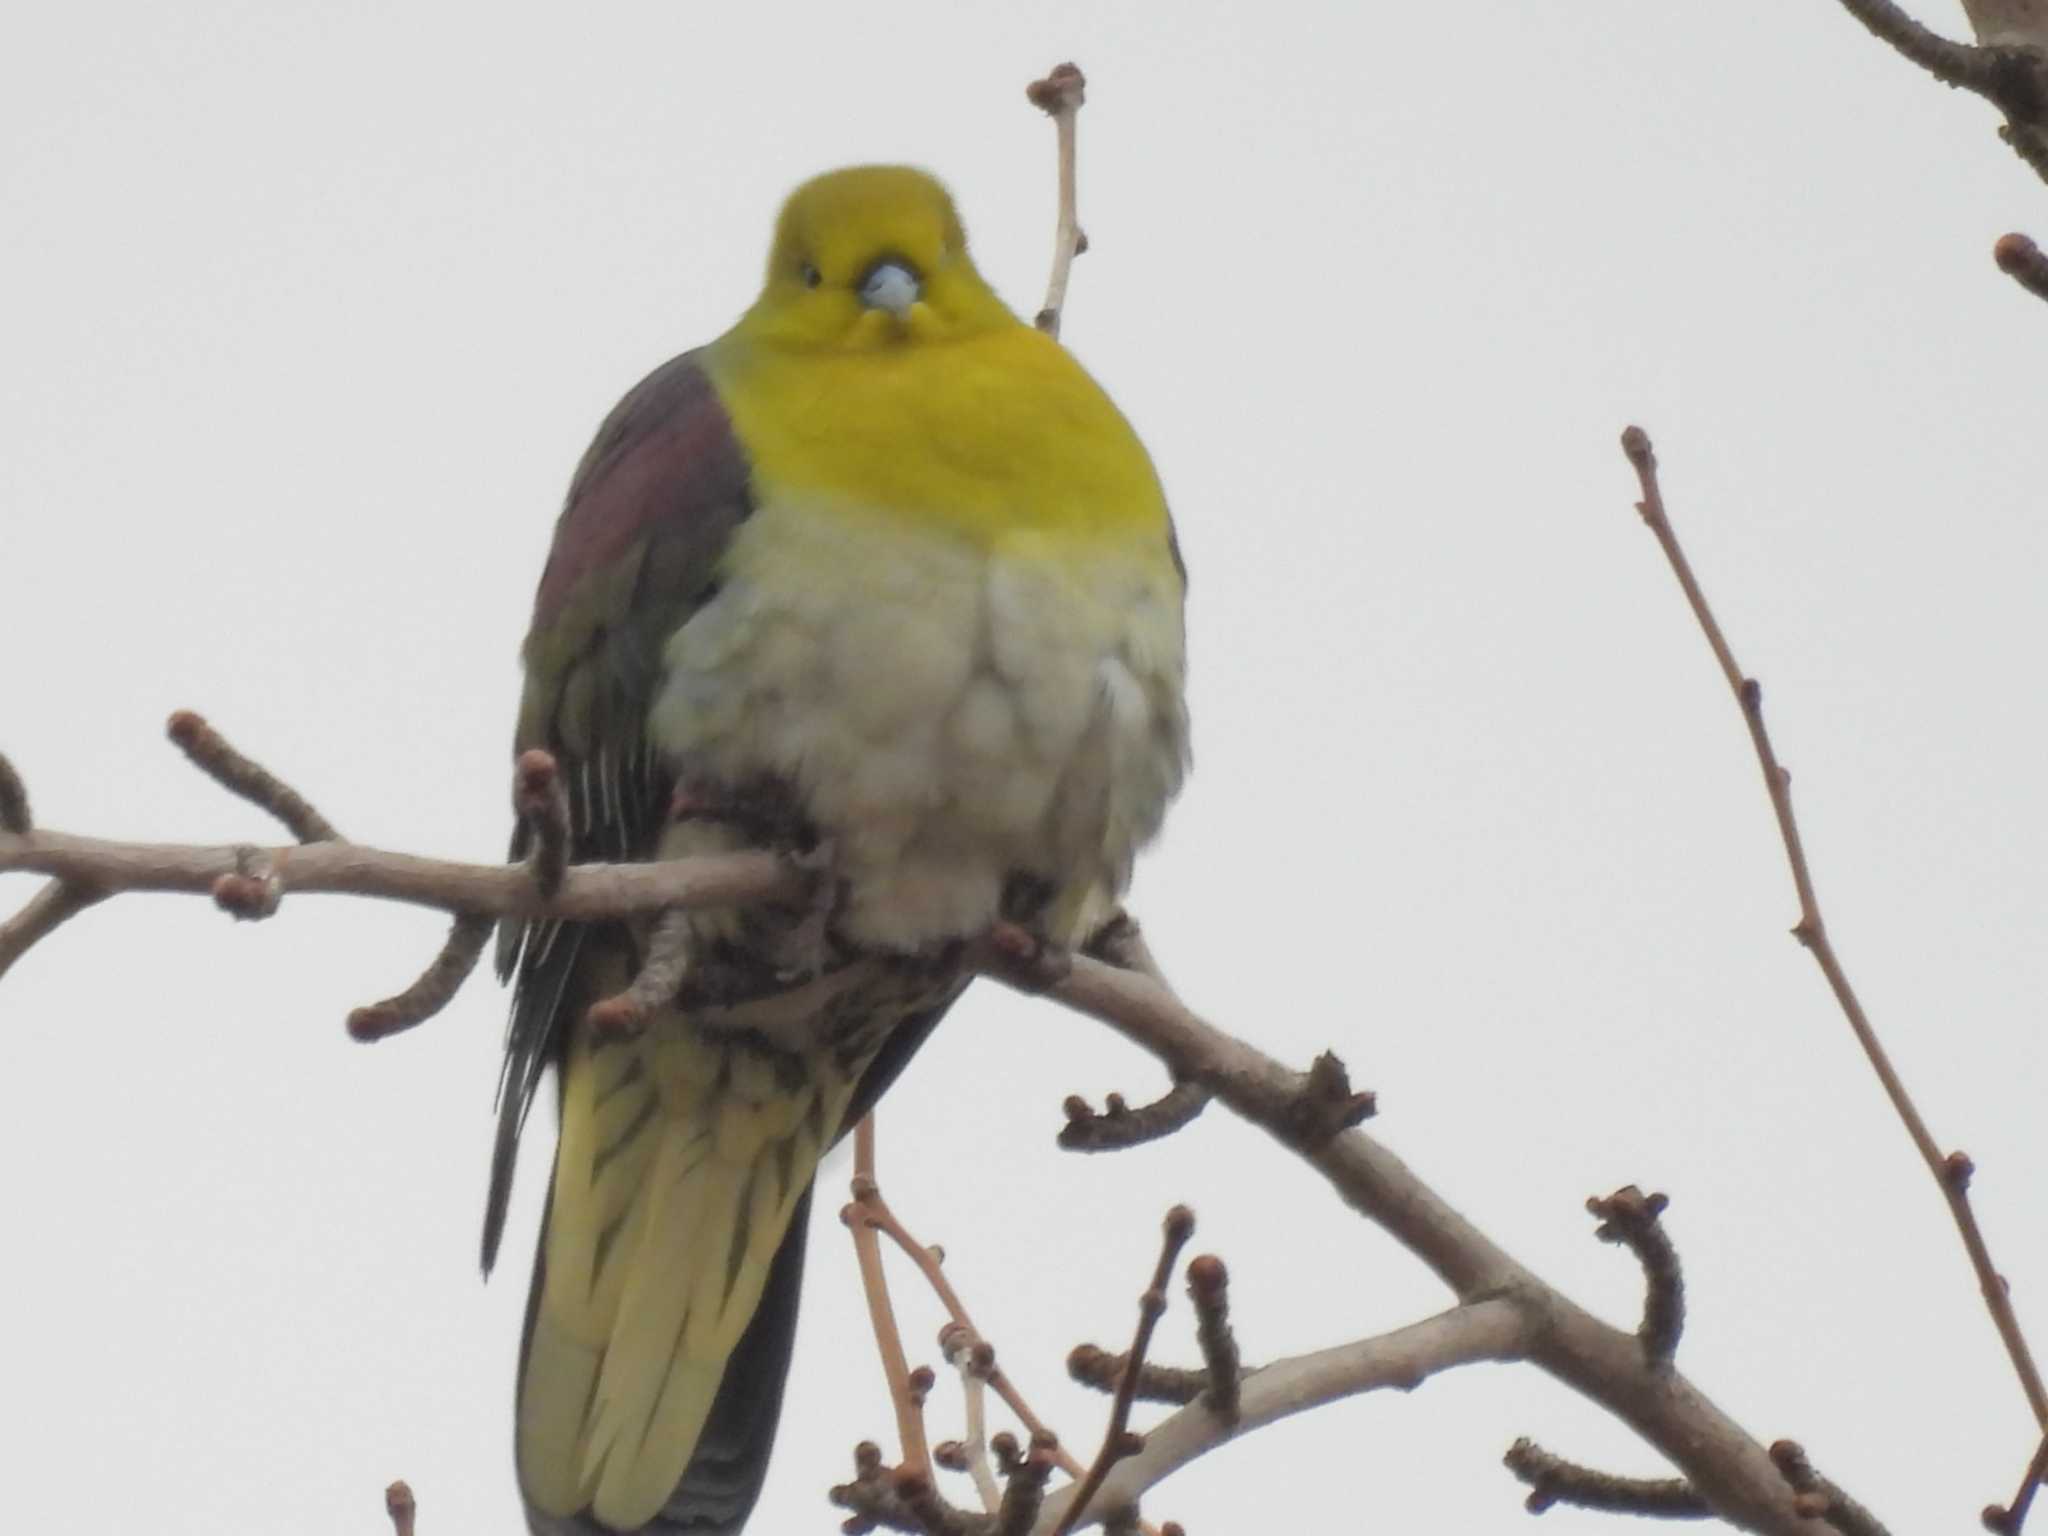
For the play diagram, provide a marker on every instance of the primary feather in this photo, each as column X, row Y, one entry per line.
column 881, row 569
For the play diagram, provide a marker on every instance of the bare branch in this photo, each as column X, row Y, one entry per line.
column 1951, row 1175
column 1117, row 1441
column 1631, row 1218
column 1553, row 1480
column 239, row 775
column 1820, row 1498
column 588, row 891
column 1059, row 95
column 1120, row 1126
column 436, row 987
column 1952, row 63
column 1730, row 1469
column 2021, row 260
column 1494, row 1329
column 2012, row 78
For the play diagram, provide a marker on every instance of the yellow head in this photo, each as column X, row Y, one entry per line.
column 869, row 258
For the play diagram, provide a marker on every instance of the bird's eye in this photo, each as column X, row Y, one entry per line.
column 810, row 275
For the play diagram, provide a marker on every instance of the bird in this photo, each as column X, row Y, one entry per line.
column 880, row 578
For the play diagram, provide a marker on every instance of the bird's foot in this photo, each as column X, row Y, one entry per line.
column 762, row 813
column 1025, row 957
column 803, row 947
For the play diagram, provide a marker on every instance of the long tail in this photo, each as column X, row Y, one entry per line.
column 665, row 1289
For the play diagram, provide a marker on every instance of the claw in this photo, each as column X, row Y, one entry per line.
column 803, row 949
column 1029, row 960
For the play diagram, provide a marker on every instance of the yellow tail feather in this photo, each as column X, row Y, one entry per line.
column 681, row 1160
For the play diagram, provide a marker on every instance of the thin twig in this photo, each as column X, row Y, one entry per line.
column 1024, row 1490
column 2010, row 1519
column 2022, row 261
column 541, row 803
column 211, row 753
column 1491, row 1330
column 1951, row 1171
column 51, row 907
column 401, row 1507
column 14, row 812
column 1632, row 1218
column 1059, row 95
column 1819, row 1498
column 1209, row 1289
column 1120, row 1126
column 1093, row 1366
column 1553, row 1480
column 655, row 984
column 883, row 1219
column 436, row 987
column 1118, row 1441
column 917, row 1456
column 973, row 1358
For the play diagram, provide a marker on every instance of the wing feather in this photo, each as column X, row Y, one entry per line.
column 636, row 550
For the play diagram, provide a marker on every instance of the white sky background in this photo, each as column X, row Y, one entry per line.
column 308, row 312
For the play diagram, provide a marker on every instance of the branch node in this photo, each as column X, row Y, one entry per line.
column 1325, row 1105
column 1958, row 1170
column 248, row 898
column 1063, row 89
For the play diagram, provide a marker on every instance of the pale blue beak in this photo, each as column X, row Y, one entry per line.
column 892, row 286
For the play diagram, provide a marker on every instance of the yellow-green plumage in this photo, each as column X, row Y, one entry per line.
column 889, row 549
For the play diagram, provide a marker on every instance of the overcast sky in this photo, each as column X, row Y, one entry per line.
column 309, row 310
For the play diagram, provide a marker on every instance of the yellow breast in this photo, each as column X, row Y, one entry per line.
column 996, row 437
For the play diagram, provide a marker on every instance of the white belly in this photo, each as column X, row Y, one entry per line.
column 949, row 715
